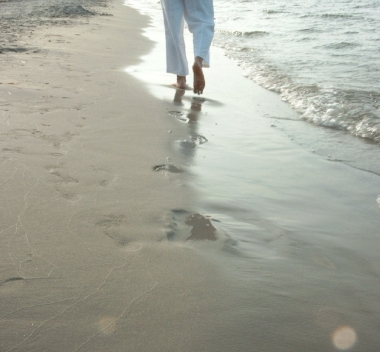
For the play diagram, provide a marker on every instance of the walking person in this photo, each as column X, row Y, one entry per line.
column 199, row 16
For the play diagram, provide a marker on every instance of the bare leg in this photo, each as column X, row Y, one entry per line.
column 199, row 79
column 181, row 82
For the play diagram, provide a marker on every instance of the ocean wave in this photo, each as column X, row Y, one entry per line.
column 341, row 45
column 305, row 39
column 310, row 30
column 332, row 16
column 271, row 12
column 336, row 15
column 353, row 111
column 373, row 5
column 251, row 34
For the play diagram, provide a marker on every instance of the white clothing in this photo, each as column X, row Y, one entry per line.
column 199, row 15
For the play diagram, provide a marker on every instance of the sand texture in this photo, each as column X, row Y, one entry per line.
column 83, row 244
column 138, row 217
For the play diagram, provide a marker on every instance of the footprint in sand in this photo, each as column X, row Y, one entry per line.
column 179, row 116
column 14, row 49
column 104, row 183
column 59, row 155
column 12, row 150
column 168, row 167
column 62, row 178
column 70, row 196
column 112, row 225
column 193, row 141
column 202, row 228
column 12, row 284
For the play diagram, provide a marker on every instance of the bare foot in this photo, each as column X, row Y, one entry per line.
column 199, row 79
column 181, row 82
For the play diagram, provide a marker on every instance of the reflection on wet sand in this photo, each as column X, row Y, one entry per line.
column 179, row 93
column 202, row 228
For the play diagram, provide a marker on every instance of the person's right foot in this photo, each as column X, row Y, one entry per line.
column 199, row 79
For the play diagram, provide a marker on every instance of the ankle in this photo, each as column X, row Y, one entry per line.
column 198, row 61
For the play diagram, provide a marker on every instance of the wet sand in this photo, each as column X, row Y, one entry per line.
column 138, row 217
column 297, row 232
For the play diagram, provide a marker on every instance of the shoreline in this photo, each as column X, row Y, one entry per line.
column 104, row 168
column 297, row 231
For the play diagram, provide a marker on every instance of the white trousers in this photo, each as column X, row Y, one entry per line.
column 199, row 16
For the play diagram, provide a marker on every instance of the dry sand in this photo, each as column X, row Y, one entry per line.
column 85, row 264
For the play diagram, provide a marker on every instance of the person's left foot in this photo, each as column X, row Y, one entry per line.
column 181, row 82
column 199, row 79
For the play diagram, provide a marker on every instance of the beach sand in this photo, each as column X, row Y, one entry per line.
column 84, row 259
column 117, row 193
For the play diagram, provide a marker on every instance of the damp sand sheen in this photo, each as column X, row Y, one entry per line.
column 139, row 218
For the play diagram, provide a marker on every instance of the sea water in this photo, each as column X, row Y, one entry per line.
column 300, row 233
column 321, row 57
